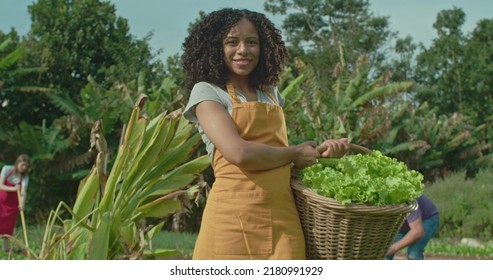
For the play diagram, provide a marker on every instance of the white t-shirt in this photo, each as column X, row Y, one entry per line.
column 14, row 178
column 203, row 91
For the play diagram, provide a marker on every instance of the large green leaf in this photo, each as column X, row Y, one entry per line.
column 78, row 244
column 160, row 208
column 86, row 196
column 5, row 43
column 11, row 58
column 292, row 87
column 64, row 102
column 350, row 92
column 128, row 232
column 167, row 183
column 162, row 136
column 387, row 90
column 153, row 231
column 170, row 182
column 178, row 154
column 99, row 243
column 126, row 153
column 183, row 133
column 407, row 146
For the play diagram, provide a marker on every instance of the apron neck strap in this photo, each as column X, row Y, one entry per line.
column 232, row 93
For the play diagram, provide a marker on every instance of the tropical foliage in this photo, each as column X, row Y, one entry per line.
column 380, row 115
column 13, row 88
column 344, row 107
column 151, row 176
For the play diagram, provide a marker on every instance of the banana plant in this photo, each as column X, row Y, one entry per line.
column 151, row 175
column 334, row 106
column 432, row 143
column 450, row 143
column 9, row 71
column 378, row 114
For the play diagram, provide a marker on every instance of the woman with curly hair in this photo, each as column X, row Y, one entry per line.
column 232, row 60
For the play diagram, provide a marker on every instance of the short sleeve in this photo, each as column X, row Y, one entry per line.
column 15, row 178
column 5, row 171
column 414, row 216
column 203, row 91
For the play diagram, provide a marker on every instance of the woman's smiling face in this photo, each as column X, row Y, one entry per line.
column 241, row 49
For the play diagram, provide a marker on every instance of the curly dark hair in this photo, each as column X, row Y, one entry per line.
column 203, row 49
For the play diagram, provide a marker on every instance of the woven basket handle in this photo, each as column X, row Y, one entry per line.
column 359, row 149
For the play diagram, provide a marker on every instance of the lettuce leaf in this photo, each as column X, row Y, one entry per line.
column 372, row 179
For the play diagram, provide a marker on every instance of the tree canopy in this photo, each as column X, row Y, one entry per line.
column 74, row 40
column 315, row 29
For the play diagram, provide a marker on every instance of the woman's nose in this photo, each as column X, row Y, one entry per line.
column 242, row 47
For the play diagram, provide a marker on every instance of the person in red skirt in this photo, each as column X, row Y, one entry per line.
column 13, row 178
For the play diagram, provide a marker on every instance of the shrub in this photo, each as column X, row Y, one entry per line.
column 465, row 205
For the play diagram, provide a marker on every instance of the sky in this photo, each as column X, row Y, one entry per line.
column 168, row 20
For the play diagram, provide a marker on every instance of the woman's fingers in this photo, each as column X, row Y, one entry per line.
column 307, row 154
column 334, row 148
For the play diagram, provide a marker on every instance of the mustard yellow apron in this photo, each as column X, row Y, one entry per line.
column 251, row 214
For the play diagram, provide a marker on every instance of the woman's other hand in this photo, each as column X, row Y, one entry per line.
column 333, row 148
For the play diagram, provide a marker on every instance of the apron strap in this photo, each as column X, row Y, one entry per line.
column 267, row 91
column 232, row 93
column 9, row 173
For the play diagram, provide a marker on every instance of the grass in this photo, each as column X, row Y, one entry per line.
column 437, row 246
column 448, row 247
column 465, row 206
column 184, row 242
column 181, row 241
column 34, row 237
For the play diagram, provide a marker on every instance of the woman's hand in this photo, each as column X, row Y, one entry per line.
column 334, row 148
column 307, row 154
column 15, row 188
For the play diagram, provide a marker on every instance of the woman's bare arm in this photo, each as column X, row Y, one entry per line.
column 221, row 130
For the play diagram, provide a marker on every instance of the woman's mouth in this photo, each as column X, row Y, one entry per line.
column 242, row 62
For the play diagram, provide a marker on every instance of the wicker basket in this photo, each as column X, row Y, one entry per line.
column 336, row 232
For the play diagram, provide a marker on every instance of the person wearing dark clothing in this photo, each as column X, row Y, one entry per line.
column 419, row 227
